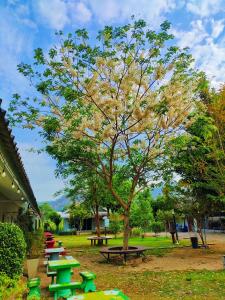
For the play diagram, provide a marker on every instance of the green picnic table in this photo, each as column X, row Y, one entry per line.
column 63, row 268
column 102, row 295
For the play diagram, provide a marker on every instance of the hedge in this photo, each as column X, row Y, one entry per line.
column 11, row 288
column 12, row 249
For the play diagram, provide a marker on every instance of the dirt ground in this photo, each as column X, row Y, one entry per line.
column 178, row 259
column 181, row 259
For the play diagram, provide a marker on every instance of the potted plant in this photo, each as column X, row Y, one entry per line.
column 35, row 248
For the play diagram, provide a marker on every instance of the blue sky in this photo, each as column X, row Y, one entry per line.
column 26, row 25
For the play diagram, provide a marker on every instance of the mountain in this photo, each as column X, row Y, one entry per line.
column 59, row 203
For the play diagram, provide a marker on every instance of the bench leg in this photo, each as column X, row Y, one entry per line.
column 53, row 277
column 89, row 286
column 55, row 296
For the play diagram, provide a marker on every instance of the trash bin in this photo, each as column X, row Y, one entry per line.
column 194, row 242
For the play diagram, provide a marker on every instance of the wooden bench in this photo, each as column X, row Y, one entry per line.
column 88, row 284
column 72, row 286
column 117, row 250
column 99, row 240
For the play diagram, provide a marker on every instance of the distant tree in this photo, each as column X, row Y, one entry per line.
column 115, row 223
column 56, row 219
column 78, row 211
column 90, row 189
column 157, row 227
column 141, row 211
column 46, row 211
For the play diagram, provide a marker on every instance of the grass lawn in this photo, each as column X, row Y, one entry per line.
column 169, row 285
column 138, row 282
column 80, row 241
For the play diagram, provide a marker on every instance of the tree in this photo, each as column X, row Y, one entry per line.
column 115, row 223
column 78, row 211
column 198, row 157
column 112, row 105
column 90, row 189
column 56, row 219
column 141, row 211
column 46, row 211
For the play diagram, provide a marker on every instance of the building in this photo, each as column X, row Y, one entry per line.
column 17, row 201
column 88, row 223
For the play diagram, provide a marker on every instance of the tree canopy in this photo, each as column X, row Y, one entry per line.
column 112, row 105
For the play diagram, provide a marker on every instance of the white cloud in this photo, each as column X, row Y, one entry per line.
column 59, row 13
column 192, row 37
column 78, row 11
column 205, row 8
column 209, row 54
column 217, row 27
column 116, row 10
column 53, row 13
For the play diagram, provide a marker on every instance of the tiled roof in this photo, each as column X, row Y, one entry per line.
column 10, row 147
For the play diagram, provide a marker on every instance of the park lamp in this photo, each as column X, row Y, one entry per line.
column 13, row 185
column 3, row 173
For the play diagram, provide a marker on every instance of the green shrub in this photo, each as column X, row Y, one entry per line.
column 11, row 288
column 115, row 223
column 137, row 231
column 157, row 226
column 36, row 242
column 12, row 249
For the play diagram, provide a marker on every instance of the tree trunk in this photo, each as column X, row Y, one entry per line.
column 98, row 230
column 200, row 232
column 126, row 230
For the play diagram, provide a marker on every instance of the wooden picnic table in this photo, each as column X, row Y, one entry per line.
column 99, row 239
column 63, row 268
column 54, row 253
column 102, row 295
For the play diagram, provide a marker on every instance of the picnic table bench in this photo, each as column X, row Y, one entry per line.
column 54, row 253
column 99, row 239
column 107, row 251
column 101, row 295
column 63, row 287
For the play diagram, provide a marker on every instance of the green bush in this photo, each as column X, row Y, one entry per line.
column 11, row 288
column 157, row 226
column 115, row 223
column 12, row 249
column 137, row 231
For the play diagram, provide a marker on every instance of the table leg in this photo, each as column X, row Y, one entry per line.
column 54, row 256
column 64, row 276
column 91, row 242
